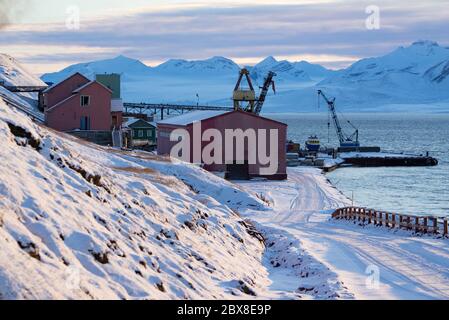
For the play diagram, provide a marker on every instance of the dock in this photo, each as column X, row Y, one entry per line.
column 331, row 161
column 388, row 160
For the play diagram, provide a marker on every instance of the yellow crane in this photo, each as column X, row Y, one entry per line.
column 247, row 96
column 242, row 96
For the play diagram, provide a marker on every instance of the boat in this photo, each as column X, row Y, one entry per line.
column 313, row 144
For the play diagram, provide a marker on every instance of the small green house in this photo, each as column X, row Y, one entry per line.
column 142, row 133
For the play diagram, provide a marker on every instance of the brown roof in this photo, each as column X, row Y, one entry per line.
column 89, row 84
column 61, row 82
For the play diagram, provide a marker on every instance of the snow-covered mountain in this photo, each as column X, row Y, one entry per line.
column 404, row 65
column 179, row 81
column 214, row 64
column 289, row 71
column 414, row 75
column 122, row 65
column 417, row 73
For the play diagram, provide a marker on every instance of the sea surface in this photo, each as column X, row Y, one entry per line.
column 408, row 190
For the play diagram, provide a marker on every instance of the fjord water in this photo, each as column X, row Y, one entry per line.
column 411, row 190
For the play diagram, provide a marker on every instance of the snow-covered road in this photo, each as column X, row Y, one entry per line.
column 408, row 267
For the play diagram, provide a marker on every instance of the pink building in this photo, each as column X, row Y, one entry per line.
column 78, row 103
column 222, row 120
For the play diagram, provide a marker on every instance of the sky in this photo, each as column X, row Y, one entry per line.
column 48, row 35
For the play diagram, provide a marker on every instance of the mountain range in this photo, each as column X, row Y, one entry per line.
column 415, row 77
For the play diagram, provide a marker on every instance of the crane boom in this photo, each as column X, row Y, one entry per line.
column 263, row 94
column 344, row 141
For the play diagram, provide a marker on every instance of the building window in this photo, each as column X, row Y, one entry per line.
column 140, row 133
column 149, row 133
column 85, row 101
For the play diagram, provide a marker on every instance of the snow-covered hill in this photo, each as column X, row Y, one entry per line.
column 81, row 221
column 12, row 73
column 413, row 78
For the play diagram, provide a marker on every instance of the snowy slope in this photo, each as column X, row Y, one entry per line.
column 214, row 64
column 413, row 74
column 289, row 73
column 315, row 71
column 439, row 73
column 125, row 66
column 402, row 65
column 286, row 71
column 12, row 73
column 79, row 221
column 85, row 222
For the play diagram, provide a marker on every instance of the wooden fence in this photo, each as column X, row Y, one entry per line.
column 419, row 224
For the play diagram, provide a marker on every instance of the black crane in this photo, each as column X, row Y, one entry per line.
column 269, row 82
column 345, row 141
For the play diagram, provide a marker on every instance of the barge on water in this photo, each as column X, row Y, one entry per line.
column 387, row 160
column 328, row 162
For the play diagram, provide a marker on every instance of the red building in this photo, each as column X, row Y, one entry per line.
column 224, row 121
column 78, row 103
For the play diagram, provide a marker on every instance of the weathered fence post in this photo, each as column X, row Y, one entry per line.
column 393, row 218
column 435, row 224
column 426, row 220
column 445, row 227
column 369, row 216
column 417, row 224
column 387, row 221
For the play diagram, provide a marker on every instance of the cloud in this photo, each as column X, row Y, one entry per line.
column 332, row 32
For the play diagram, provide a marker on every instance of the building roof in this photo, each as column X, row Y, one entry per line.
column 117, row 105
column 61, row 82
column 132, row 121
column 89, row 84
column 60, row 103
column 192, row 117
column 197, row 116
